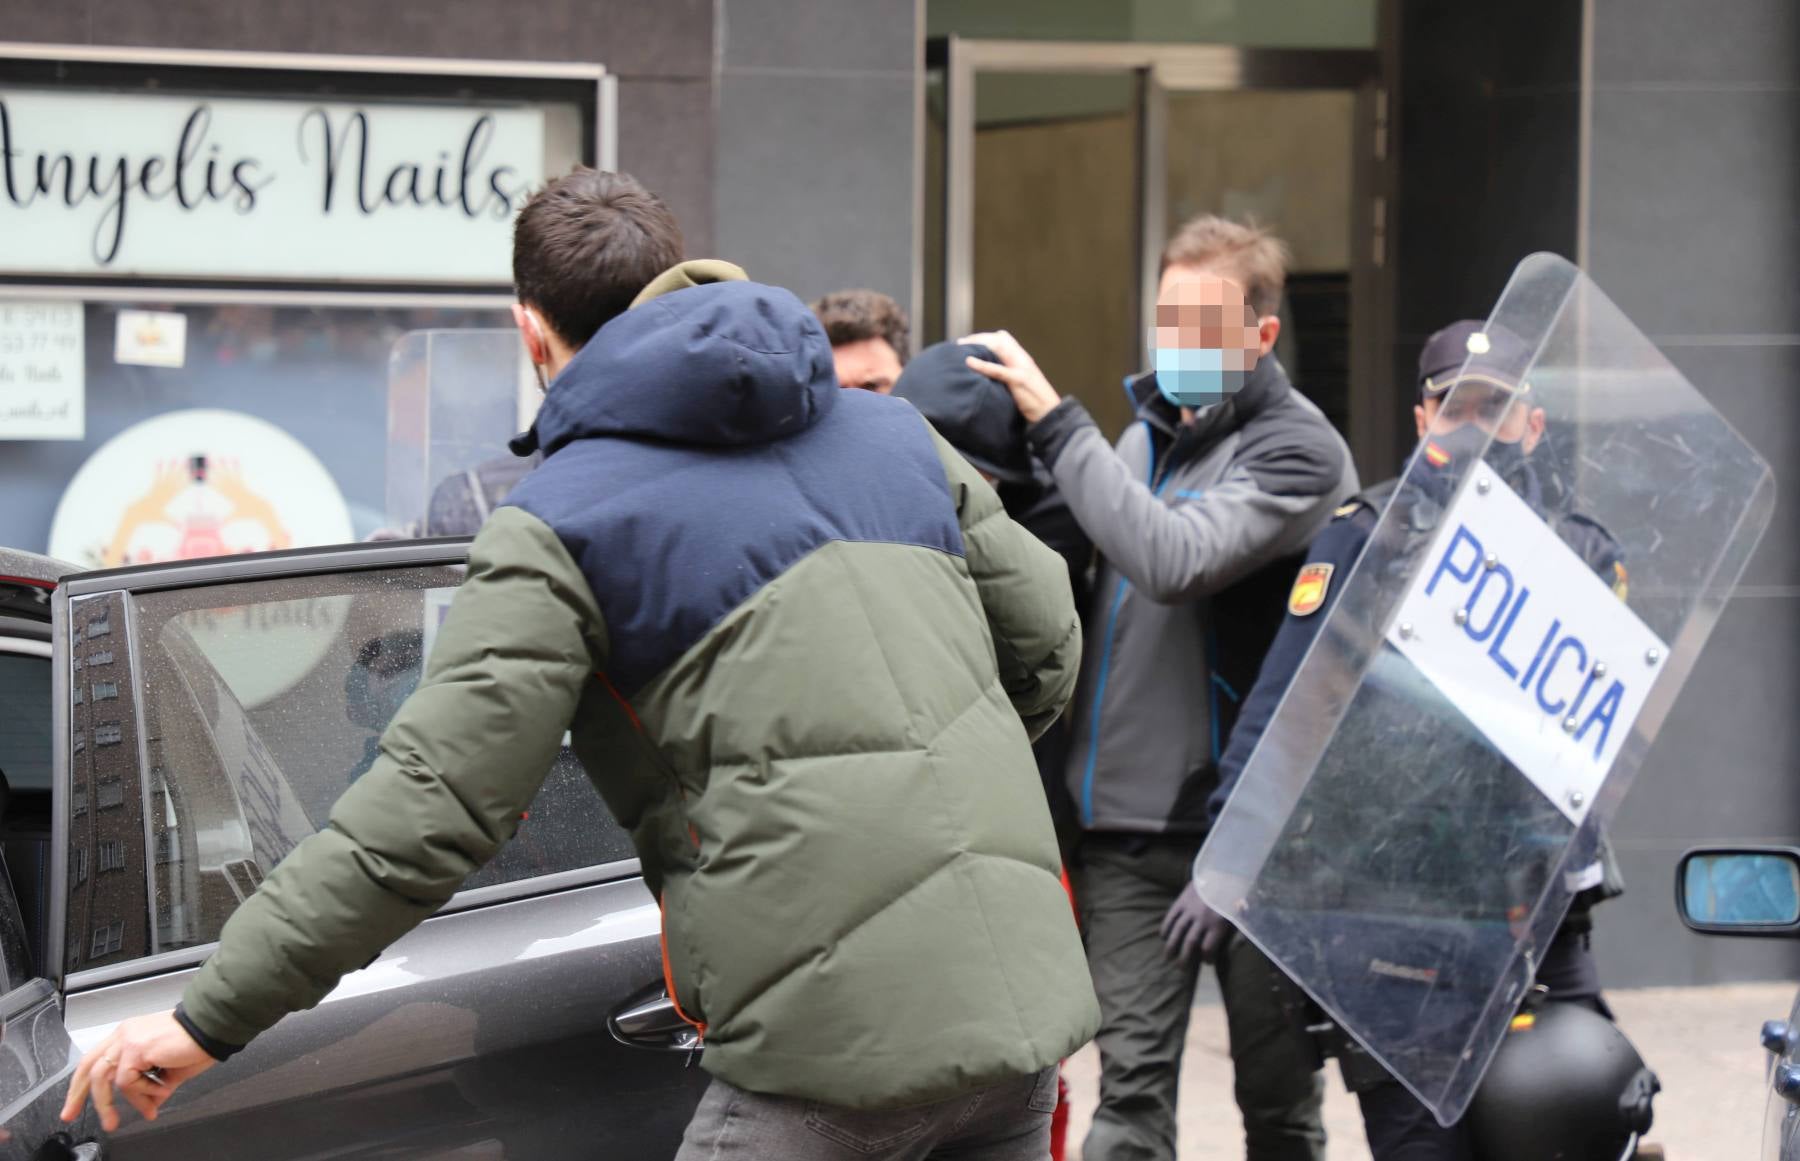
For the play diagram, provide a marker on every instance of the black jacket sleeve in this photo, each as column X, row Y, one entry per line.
column 1338, row 546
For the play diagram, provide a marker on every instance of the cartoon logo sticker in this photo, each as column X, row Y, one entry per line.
column 194, row 484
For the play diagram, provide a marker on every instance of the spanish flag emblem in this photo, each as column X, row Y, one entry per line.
column 1310, row 588
column 1436, row 456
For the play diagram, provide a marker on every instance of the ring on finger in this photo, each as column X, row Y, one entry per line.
column 152, row 1074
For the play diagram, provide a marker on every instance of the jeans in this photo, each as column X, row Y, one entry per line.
column 1008, row 1122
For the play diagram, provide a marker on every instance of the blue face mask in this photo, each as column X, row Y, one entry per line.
column 1195, row 376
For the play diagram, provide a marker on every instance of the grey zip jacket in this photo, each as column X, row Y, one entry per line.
column 1199, row 528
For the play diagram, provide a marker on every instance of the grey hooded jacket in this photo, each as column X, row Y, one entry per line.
column 1198, row 528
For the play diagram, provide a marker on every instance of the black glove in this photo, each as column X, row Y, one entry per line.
column 1190, row 923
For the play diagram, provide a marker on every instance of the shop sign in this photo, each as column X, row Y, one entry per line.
column 165, row 186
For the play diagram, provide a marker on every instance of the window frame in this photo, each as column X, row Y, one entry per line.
column 132, row 582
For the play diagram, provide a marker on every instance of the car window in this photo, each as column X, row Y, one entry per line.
column 263, row 701
column 25, row 721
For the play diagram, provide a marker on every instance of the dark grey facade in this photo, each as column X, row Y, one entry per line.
column 1657, row 142
column 1693, row 157
column 781, row 133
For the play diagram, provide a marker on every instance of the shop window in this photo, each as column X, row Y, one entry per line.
column 266, row 700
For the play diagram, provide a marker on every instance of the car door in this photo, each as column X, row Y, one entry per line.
column 209, row 715
column 1781, row 1120
column 36, row 1054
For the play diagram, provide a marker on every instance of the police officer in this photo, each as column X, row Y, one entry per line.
column 1494, row 401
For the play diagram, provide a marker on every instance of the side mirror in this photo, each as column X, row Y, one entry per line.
column 1740, row 890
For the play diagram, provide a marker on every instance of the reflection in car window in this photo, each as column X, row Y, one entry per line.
column 264, row 701
column 108, row 908
column 25, row 721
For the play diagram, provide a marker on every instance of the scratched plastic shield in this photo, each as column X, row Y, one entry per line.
column 1427, row 800
column 454, row 399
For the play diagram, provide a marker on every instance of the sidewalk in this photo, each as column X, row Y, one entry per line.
column 1701, row 1041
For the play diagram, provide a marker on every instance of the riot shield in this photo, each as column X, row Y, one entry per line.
column 455, row 397
column 1430, row 793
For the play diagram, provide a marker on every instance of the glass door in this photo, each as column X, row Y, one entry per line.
column 1056, row 171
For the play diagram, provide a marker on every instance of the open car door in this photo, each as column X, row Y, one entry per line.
column 209, row 713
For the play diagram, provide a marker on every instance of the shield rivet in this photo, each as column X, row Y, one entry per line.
column 1599, row 669
column 1652, row 656
column 1491, row 563
column 1406, row 631
column 1484, row 485
column 1569, row 724
column 1462, row 616
column 1576, row 798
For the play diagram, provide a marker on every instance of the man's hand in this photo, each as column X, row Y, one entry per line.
column 146, row 1059
column 1191, row 922
column 1017, row 371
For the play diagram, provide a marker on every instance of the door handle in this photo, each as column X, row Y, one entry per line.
column 654, row 1023
column 1786, row 1083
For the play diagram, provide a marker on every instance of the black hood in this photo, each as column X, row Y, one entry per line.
column 971, row 411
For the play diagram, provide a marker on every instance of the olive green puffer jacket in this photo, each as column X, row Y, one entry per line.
column 802, row 650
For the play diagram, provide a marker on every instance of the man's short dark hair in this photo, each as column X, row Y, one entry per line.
column 851, row 316
column 585, row 244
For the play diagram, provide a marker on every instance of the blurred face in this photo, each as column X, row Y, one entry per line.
column 871, row 364
column 1186, row 285
column 1207, row 339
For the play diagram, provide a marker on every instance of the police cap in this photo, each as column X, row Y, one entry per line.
column 1492, row 354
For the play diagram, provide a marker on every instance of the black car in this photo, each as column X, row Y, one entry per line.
column 167, row 734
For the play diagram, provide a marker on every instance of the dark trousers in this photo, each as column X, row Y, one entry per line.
column 1399, row 1128
column 1124, row 887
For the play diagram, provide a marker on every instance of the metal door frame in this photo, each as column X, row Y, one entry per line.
column 1161, row 69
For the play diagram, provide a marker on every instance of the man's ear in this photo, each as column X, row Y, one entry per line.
column 1420, row 420
column 1268, row 329
column 1534, row 430
column 537, row 347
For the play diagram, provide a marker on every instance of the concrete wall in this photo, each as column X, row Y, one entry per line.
column 815, row 154
column 1694, row 157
